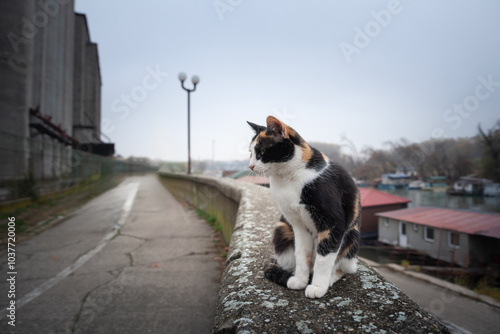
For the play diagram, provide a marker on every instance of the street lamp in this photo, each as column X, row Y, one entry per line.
column 194, row 79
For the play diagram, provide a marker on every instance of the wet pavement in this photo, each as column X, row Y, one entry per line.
column 461, row 314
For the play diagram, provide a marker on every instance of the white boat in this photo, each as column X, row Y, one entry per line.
column 492, row 189
column 415, row 185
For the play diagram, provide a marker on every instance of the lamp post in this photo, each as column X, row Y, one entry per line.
column 194, row 79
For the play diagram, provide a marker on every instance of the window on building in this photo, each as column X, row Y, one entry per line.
column 428, row 234
column 386, row 222
column 415, row 227
column 453, row 239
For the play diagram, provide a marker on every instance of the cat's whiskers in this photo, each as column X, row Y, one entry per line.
column 248, row 172
column 260, row 176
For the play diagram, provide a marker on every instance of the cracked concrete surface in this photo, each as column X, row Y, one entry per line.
column 158, row 274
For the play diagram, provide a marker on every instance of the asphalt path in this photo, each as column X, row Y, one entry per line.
column 461, row 314
column 133, row 260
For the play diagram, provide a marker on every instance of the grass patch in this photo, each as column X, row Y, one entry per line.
column 36, row 216
column 219, row 242
column 211, row 220
column 485, row 287
column 486, row 284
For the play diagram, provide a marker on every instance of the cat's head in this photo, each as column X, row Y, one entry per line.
column 274, row 147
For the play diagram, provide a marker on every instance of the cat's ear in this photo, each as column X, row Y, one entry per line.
column 257, row 128
column 278, row 129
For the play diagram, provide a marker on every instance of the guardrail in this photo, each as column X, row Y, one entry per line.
column 249, row 303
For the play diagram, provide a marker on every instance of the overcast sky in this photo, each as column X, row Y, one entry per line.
column 369, row 71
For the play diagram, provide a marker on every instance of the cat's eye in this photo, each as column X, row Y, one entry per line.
column 261, row 152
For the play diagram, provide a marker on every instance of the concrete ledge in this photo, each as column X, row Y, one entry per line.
column 249, row 303
column 217, row 197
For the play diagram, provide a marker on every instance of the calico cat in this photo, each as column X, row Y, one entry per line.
column 318, row 233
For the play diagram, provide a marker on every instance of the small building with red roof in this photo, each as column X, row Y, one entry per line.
column 456, row 236
column 374, row 201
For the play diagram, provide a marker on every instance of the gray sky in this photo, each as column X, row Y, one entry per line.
column 370, row 71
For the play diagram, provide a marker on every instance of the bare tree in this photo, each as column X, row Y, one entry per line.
column 378, row 163
column 491, row 151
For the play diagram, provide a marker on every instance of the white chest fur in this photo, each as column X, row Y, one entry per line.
column 287, row 191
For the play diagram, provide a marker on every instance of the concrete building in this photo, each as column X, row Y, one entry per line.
column 86, row 85
column 50, row 92
column 454, row 236
column 16, row 69
column 52, row 87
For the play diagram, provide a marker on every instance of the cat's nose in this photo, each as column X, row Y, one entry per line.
column 252, row 167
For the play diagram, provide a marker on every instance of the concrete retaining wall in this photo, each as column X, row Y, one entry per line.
column 217, row 197
column 248, row 303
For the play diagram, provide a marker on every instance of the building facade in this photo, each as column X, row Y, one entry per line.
column 372, row 202
column 50, row 93
column 454, row 236
column 86, row 85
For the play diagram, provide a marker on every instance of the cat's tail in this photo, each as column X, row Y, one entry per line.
column 280, row 269
column 275, row 273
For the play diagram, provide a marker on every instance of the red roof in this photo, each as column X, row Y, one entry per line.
column 487, row 224
column 374, row 197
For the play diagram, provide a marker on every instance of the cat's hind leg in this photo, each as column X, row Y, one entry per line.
column 336, row 274
column 280, row 269
column 347, row 262
column 343, row 266
column 276, row 274
column 348, row 266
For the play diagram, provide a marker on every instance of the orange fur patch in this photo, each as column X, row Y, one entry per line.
column 356, row 212
column 307, row 153
column 323, row 235
column 286, row 130
column 263, row 134
column 289, row 131
column 260, row 135
column 339, row 272
column 253, row 141
column 286, row 230
column 343, row 253
column 309, row 260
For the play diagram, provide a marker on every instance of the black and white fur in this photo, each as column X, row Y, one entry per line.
column 318, row 233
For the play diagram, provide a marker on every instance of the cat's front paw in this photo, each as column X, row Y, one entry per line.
column 314, row 291
column 296, row 283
